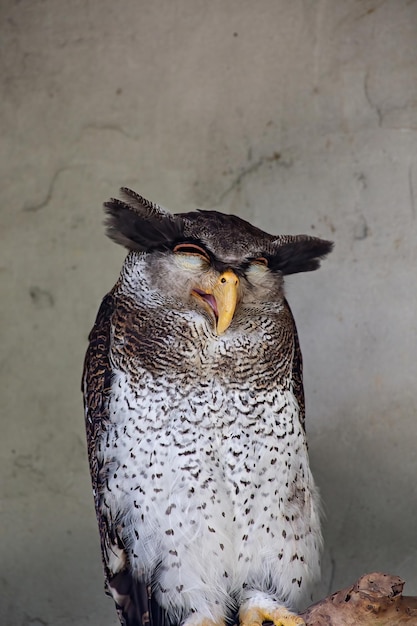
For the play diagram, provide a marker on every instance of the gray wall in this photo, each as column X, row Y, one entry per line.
column 298, row 115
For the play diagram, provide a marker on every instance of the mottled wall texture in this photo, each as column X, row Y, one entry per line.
column 300, row 115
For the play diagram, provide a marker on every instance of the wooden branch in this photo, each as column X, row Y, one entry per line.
column 375, row 599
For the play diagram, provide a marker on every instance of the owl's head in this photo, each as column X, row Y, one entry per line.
column 211, row 260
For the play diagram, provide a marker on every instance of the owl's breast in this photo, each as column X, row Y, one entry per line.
column 182, row 345
column 223, row 461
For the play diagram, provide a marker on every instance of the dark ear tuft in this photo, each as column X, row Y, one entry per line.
column 142, row 225
column 299, row 253
column 141, row 205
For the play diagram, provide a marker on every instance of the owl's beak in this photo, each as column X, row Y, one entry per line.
column 221, row 300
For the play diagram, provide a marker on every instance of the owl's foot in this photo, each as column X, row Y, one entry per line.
column 280, row 616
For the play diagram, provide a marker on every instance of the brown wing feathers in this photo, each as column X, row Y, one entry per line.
column 135, row 605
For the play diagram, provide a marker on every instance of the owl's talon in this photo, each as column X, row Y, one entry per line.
column 279, row 616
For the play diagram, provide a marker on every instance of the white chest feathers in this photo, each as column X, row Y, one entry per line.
column 211, row 487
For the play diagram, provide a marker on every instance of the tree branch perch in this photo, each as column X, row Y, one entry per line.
column 375, row 599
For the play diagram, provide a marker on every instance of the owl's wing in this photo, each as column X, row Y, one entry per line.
column 297, row 370
column 134, row 601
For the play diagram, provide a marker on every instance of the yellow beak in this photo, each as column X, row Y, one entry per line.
column 222, row 300
column 225, row 292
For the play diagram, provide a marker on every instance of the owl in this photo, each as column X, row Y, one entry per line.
column 194, row 407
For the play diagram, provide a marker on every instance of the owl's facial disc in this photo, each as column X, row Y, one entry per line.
column 221, row 301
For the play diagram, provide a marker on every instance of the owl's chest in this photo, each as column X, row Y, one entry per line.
column 225, row 450
column 182, row 351
column 206, row 407
column 183, row 379
column 207, row 427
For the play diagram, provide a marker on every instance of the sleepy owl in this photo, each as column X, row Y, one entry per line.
column 194, row 407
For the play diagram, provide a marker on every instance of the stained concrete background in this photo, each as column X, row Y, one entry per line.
column 298, row 115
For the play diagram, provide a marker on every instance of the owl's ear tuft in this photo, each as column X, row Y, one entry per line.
column 299, row 253
column 141, row 225
column 142, row 206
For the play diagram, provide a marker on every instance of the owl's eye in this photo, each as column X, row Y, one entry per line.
column 258, row 266
column 191, row 248
column 191, row 255
column 260, row 261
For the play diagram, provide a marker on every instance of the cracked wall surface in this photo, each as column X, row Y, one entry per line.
column 300, row 116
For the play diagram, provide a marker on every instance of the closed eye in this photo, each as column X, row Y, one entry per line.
column 190, row 256
column 257, row 267
column 260, row 261
column 191, row 248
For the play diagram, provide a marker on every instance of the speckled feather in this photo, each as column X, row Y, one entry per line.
column 198, row 457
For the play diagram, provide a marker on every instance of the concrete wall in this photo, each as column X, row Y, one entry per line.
column 298, row 115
